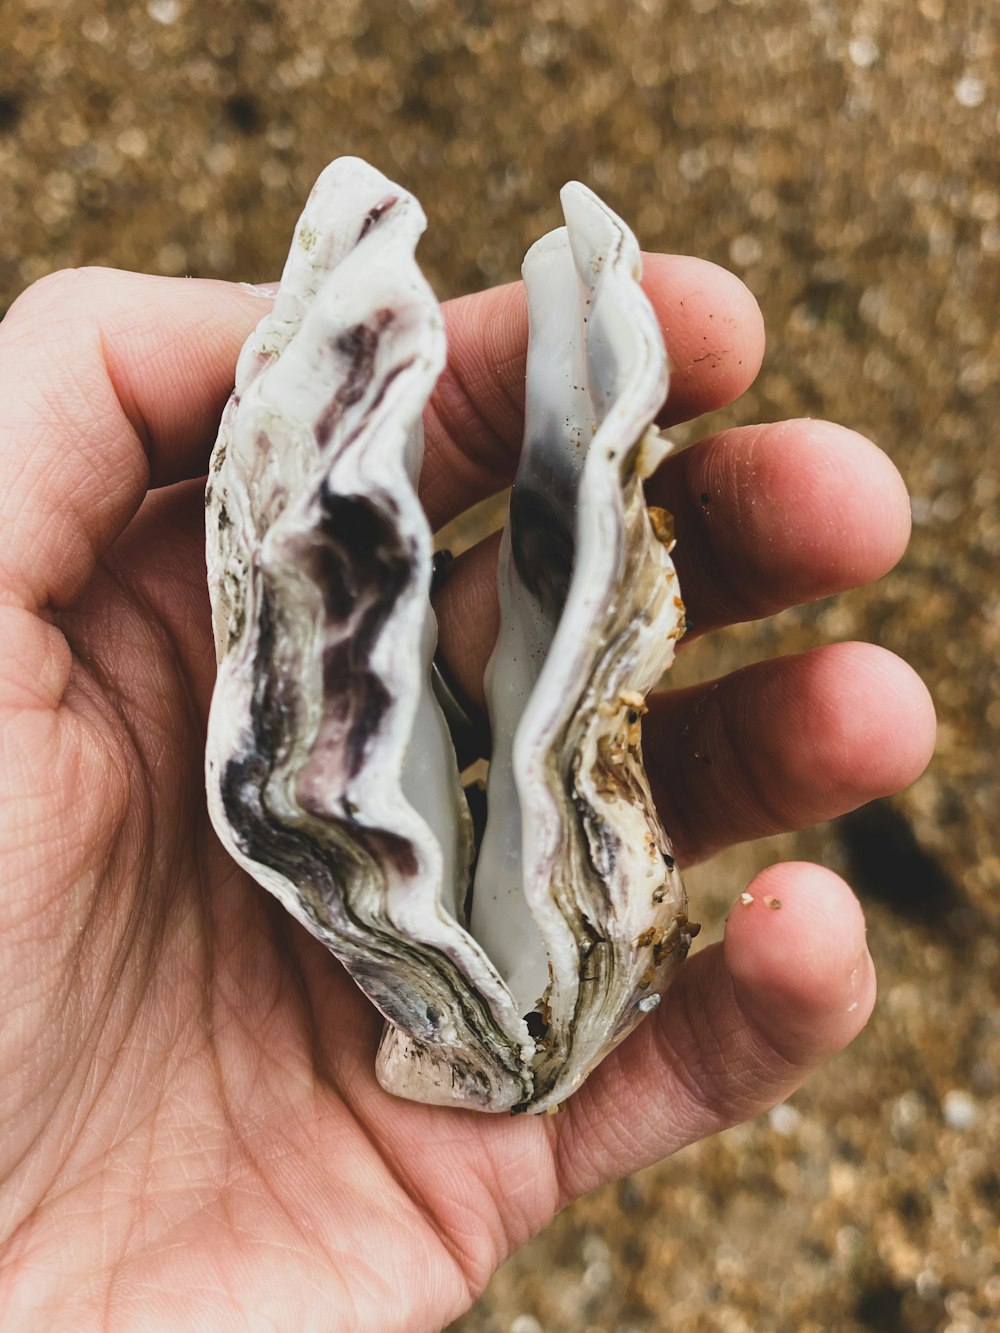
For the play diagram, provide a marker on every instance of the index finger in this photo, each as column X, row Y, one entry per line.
column 714, row 336
column 109, row 382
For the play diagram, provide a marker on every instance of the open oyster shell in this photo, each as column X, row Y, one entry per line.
column 331, row 774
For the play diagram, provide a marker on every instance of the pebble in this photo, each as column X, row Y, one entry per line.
column 959, row 1109
column 785, row 1119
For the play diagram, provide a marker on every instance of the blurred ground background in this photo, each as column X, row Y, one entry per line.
column 843, row 156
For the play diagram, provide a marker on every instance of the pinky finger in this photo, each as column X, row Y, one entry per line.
column 740, row 1029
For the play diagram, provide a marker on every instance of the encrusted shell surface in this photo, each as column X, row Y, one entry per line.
column 331, row 774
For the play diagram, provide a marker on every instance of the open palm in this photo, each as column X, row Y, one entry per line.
column 193, row 1134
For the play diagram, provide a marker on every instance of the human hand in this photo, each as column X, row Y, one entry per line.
column 193, row 1133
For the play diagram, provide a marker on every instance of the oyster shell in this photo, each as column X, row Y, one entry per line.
column 331, row 773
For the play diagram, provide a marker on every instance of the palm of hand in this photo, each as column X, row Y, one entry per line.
column 197, row 1133
column 246, row 1052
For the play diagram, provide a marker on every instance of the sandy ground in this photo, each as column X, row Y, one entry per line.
column 840, row 155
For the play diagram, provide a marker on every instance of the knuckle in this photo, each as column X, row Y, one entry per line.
column 58, row 295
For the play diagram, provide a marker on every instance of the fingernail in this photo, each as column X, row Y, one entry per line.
column 860, row 975
column 266, row 289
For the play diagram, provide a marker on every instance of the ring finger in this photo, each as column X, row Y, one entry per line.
column 784, row 744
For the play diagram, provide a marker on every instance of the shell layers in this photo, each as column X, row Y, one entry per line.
column 331, row 774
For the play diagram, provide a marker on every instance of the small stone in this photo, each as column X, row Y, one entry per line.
column 692, row 164
column 132, row 142
column 848, row 1241
column 164, row 11
column 784, row 1119
column 928, row 1284
column 745, row 250
column 907, row 1112
column 172, row 258
column 648, row 1003
column 525, row 1323
column 746, row 898
column 970, row 91
column 863, row 52
column 959, row 1109
column 96, row 29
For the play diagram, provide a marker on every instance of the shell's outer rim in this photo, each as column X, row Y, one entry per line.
column 276, row 336
column 611, row 454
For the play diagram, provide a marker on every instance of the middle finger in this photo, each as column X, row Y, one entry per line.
column 766, row 517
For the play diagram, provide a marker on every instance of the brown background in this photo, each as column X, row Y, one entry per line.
column 841, row 156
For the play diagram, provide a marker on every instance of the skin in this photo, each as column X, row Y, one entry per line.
column 192, row 1132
